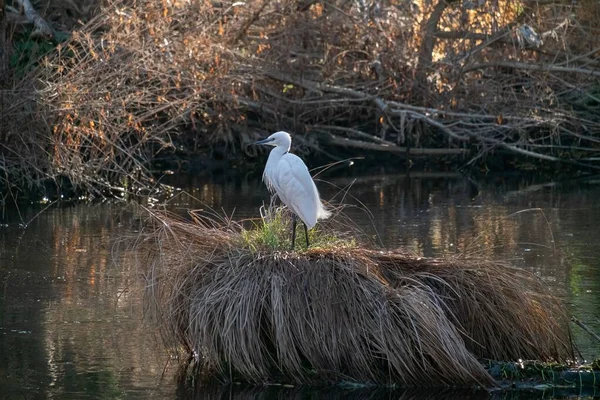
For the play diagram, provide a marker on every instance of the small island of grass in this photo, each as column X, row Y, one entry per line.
column 238, row 305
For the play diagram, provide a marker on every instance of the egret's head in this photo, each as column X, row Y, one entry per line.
column 280, row 138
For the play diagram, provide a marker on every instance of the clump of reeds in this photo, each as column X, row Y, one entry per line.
column 244, row 309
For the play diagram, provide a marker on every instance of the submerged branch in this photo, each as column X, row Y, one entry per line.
column 586, row 328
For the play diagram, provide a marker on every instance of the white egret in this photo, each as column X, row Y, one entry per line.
column 287, row 175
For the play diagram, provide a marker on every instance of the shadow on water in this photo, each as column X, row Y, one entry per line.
column 71, row 299
column 234, row 392
column 302, row 393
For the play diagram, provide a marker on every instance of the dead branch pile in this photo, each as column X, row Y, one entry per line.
column 436, row 76
column 326, row 315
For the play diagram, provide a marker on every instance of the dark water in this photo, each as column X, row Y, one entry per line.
column 71, row 311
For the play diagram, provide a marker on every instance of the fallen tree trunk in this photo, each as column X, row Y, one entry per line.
column 402, row 151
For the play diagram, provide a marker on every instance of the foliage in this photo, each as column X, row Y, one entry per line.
column 270, row 233
column 28, row 51
column 273, row 233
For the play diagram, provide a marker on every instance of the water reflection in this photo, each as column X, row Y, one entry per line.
column 303, row 393
column 71, row 316
column 70, row 308
column 299, row 393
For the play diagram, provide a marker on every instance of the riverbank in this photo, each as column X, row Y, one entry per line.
column 98, row 105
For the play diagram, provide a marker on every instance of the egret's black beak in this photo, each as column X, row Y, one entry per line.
column 264, row 141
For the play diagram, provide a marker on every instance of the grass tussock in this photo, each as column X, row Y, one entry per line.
column 247, row 311
column 273, row 232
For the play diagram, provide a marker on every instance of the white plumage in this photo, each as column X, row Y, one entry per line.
column 287, row 175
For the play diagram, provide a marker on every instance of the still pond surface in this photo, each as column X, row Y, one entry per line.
column 71, row 301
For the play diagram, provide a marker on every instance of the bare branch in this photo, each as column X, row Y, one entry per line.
column 586, row 328
column 379, row 102
column 42, row 29
column 534, row 67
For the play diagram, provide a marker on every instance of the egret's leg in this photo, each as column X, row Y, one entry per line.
column 306, row 233
column 293, row 230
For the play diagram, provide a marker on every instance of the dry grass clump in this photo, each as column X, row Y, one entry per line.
column 505, row 312
column 273, row 232
column 340, row 313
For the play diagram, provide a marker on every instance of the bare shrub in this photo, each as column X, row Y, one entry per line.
column 144, row 79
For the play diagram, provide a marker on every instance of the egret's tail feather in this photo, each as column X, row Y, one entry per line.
column 322, row 212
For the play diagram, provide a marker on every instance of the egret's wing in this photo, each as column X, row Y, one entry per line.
column 303, row 176
column 269, row 181
column 286, row 184
column 297, row 189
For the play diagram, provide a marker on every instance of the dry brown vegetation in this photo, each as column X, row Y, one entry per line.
column 145, row 77
column 330, row 314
